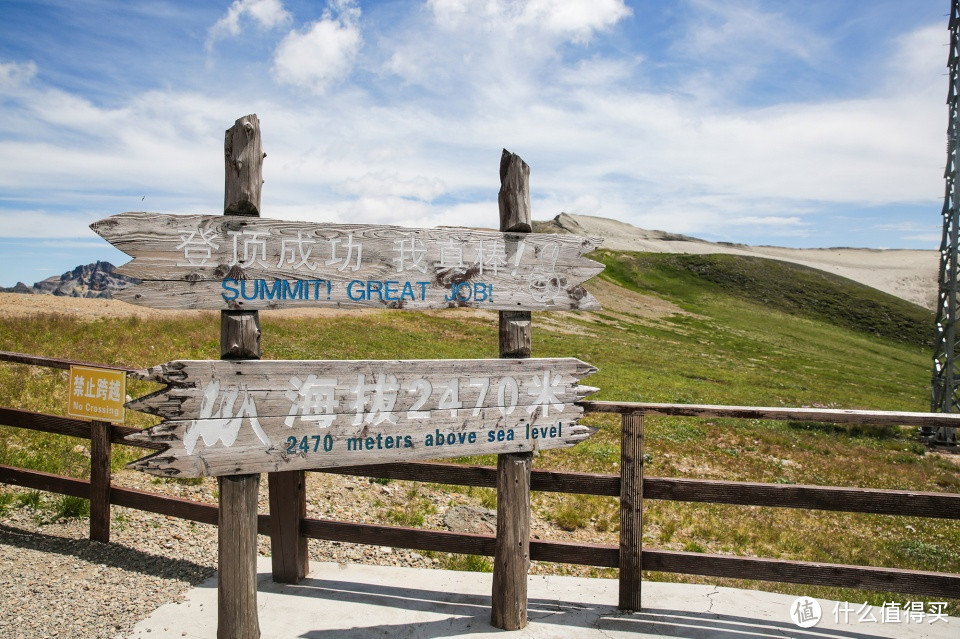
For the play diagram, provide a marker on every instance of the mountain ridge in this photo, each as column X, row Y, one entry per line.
column 910, row 274
column 97, row 280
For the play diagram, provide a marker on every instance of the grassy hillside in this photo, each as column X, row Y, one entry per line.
column 790, row 288
column 694, row 329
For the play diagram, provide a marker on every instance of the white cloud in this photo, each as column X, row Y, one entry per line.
column 933, row 239
column 383, row 183
column 322, row 53
column 267, row 14
column 739, row 30
column 16, row 74
column 766, row 220
column 574, row 20
column 599, row 142
column 28, row 223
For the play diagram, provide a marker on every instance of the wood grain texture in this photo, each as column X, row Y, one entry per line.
column 288, row 508
column 631, row 511
column 230, row 417
column 49, row 482
column 211, row 262
column 835, row 498
column 511, row 563
column 515, row 334
column 269, row 381
column 239, row 340
column 240, row 335
column 237, row 558
column 913, row 582
column 931, row 584
column 100, row 481
column 54, row 362
column 514, row 197
column 243, row 159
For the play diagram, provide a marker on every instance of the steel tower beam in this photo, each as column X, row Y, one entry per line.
column 944, row 387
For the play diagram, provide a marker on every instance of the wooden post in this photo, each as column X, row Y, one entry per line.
column 631, row 510
column 239, row 339
column 100, row 481
column 243, row 153
column 288, row 507
column 237, row 558
column 511, row 562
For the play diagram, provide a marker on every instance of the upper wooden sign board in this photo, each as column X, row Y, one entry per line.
column 246, row 263
column 236, row 417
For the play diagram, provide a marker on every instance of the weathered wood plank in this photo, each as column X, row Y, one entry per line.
column 860, row 500
column 243, row 177
column 514, row 198
column 883, row 579
column 49, row 482
column 417, row 385
column 828, row 415
column 347, row 449
column 511, row 562
column 269, row 416
column 288, row 507
column 212, row 262
column 164, row 505
column 396, row 294
column 397, row 537
column 237, row 558
column 67, row 426
column 240, row 335
column 913, row 582
column 631, row 511
column 54, row 362
column 239, row 340
column 45, row 423
column 100, row 481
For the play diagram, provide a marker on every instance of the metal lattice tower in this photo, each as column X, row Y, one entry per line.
column 944, row 396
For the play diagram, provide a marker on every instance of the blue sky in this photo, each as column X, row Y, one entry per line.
column 806, row 124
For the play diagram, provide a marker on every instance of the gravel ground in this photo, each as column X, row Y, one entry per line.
column 54, row 582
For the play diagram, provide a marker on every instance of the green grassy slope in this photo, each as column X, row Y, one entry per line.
column 783, row 286
column 694, row 329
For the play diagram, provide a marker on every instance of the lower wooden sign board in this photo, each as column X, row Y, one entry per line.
column 227, row 417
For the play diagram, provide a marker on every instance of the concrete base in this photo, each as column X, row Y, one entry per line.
column 358, row 601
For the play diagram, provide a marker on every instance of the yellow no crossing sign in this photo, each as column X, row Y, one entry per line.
column 96, row 393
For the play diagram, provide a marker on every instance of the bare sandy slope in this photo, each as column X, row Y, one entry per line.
column 910, row 274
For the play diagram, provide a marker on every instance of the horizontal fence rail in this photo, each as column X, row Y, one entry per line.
column 830, row 498
column 827, row 415
column 55, row 362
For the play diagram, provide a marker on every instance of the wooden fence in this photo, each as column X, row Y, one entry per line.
column 631, row 487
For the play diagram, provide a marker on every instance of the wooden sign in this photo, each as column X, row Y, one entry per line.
column 235, row 417
column 96, row 393
column 244, row 263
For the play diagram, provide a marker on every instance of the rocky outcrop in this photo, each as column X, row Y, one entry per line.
column 98, row 279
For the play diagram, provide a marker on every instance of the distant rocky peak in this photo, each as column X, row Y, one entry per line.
column 98, row 279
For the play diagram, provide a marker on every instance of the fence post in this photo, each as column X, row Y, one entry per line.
column 511, row 563
column 288, row 507
column 631, row 510
column 237, row 557
column 239, row 339
column 100, row 481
